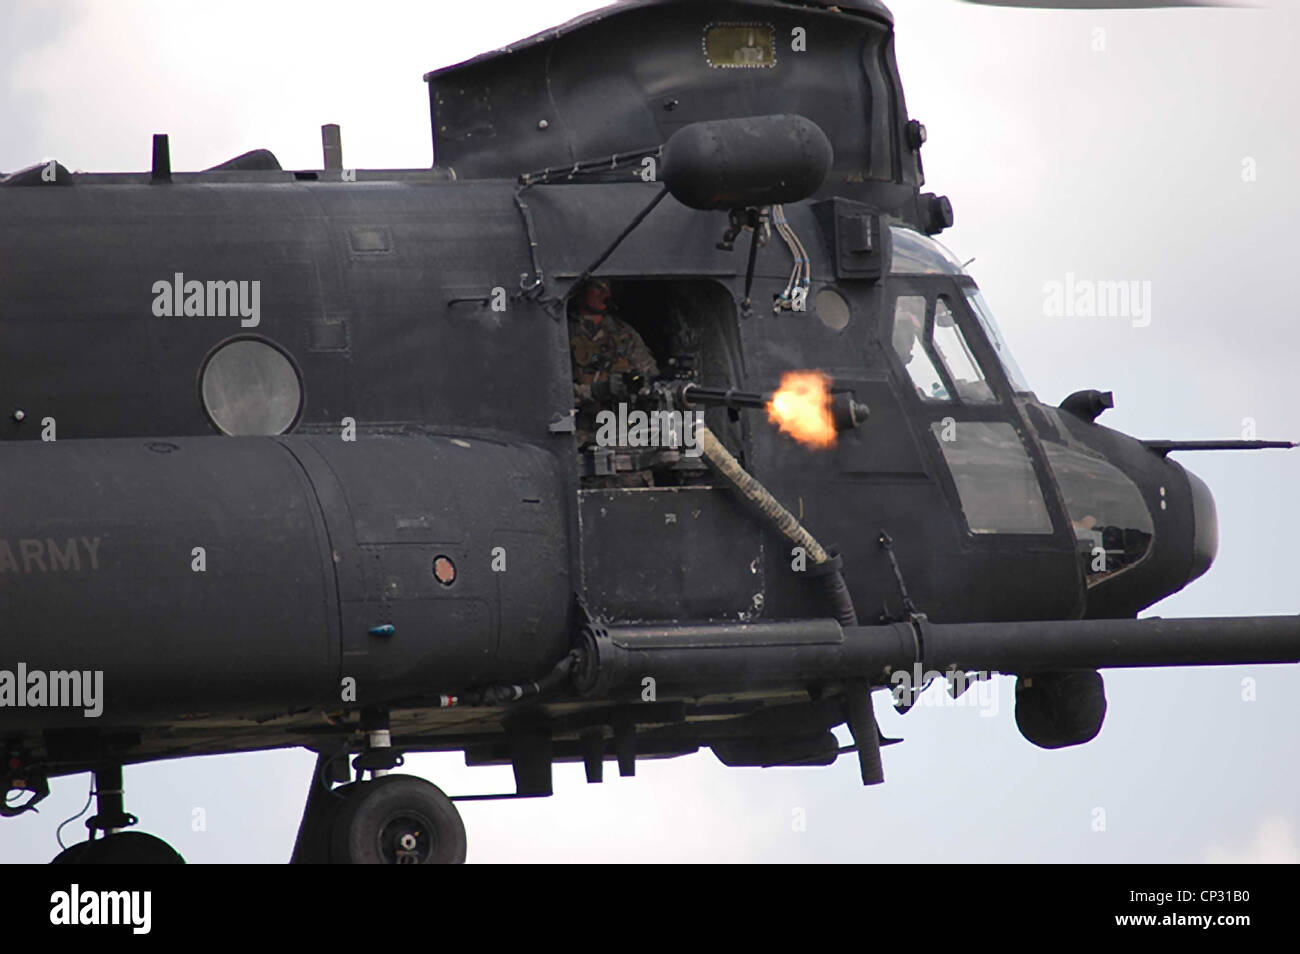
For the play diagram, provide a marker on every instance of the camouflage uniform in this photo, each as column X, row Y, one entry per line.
column 599, row 349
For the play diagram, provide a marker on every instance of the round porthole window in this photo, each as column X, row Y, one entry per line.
column 832, row 309
column 249, row 387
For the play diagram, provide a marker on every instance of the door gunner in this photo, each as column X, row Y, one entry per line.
column 602, row 345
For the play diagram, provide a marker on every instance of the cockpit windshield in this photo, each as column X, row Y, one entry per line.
column 917, row 254
column 994, row 334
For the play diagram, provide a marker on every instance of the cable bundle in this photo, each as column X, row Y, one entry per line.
column 800, row 274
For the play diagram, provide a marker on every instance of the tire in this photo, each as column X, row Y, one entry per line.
column 318, row 837
column 73, row 854
column 398, row 819
column 1059, row 709
column 122, row 848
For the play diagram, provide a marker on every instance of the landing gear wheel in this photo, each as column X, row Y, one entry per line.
column 1057, row 709
column 122, row 848
column 317, row 838
column 398, row 820
column 73, row 854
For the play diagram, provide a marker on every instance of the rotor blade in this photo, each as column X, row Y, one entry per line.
column 1104, row 4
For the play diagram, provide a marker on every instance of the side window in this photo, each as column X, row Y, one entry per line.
column 909, row 345
column 995, row 481
column 250, row 387
column 1112, row 525
column 956, row 355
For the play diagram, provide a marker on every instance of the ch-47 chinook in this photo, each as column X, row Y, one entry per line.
column 290, row 456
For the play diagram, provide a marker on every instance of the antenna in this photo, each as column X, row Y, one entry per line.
column 331, row 141
column 162, row 159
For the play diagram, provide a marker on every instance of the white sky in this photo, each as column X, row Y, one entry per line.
column 1120, row 163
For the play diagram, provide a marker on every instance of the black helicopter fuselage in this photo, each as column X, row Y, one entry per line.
column 216, row 579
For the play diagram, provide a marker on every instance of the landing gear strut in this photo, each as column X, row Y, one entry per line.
column 114, row 846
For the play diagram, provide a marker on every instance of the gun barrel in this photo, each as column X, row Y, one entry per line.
column 846, row 412
column 723, row 397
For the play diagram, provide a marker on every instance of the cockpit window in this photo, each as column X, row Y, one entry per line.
column 994, row 334
column 917, row 254
column 919, row 338
column 995, row 481
column 1111, row 522
column 957, row 358
column 909, row 338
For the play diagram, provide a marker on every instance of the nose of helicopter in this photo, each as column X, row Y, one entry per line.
column 1146, row 526
column 1205, row 533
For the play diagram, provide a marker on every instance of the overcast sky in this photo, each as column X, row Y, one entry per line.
column 1107, row 146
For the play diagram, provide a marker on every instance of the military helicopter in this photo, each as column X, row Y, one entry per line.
column 238, row 516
